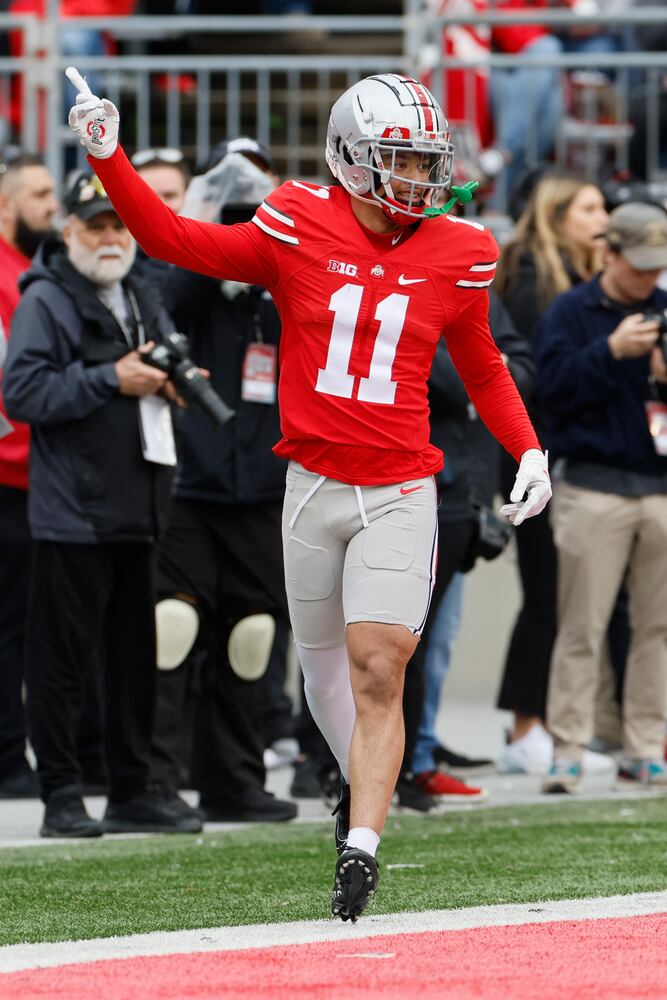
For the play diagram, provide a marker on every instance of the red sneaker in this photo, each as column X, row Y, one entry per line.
column 447, row 788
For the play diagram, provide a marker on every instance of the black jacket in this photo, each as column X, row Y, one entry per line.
column 471, row 453
column 89, row 482
column 594, row 403
column 233, row 464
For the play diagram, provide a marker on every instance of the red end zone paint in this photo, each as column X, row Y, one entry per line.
column 606, row 959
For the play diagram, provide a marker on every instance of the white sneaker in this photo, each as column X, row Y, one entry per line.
column 281, row 753
column 531, row 754
column 593, row 763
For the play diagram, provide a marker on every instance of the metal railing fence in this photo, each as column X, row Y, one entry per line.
column 190, row 100
column 193, row 100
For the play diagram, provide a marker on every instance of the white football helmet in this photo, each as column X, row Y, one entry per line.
column 369, row 124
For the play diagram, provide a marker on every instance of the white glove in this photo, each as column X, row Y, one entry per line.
column 531, row 479
column 95, row 121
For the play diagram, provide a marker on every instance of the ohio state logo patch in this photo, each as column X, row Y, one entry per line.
column 396, row 132
column 96, row 131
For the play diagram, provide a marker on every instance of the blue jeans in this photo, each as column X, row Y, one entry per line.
column 436, row 667
column 528, row 106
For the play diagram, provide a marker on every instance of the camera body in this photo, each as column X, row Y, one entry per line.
column 172, row 357
column 661, row 319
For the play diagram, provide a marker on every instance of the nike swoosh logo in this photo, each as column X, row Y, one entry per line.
column 396, row 239
column 413, row 489
column 402, row 280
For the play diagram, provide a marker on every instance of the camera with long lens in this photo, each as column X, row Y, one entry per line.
column 661, row 319
column 172, row 357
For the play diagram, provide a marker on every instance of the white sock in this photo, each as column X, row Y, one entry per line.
column 328, row 691
column 363, row 838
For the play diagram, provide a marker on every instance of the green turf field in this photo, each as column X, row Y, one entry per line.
column 283, row 872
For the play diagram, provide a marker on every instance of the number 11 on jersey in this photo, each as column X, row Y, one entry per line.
column 335, row 379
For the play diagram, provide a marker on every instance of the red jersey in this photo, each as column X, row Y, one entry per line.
column 361, row 317
column 15, row 448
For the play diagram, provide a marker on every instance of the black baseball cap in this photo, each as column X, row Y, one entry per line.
column 85, row 197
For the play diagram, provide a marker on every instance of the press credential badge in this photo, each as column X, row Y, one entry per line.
column 260, row 374
column 157, row 431
column 656, row 414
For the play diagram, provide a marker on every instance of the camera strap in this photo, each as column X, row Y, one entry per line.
column 155, row 423
column 122, row 321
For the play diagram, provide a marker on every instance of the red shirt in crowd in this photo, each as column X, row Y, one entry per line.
column 361, row 316
column 466, row 89
column 15, row 448
column 514, row 38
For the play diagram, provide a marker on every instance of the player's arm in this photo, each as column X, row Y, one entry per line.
column 488, row 383
column 239, row 253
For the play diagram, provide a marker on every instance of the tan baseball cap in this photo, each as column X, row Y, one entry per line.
column 639, row 232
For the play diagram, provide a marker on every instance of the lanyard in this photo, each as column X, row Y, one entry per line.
column 127, row 333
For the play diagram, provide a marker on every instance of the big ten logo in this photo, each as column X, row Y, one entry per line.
column 341, row 268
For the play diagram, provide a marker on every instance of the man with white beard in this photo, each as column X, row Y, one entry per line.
column 101, row 467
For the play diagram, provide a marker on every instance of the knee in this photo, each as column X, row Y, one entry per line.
column 379, row 678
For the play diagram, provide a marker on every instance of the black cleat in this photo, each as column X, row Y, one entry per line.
column 355, row 884
column 342, row 814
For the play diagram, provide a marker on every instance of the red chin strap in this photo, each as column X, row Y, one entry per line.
column 399, row 217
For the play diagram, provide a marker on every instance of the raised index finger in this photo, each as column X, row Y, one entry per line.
column 78, row 81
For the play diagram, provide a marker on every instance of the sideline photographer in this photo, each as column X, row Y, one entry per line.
column 602, row 380
column 101, row 468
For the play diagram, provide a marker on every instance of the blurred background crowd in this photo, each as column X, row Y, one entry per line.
column 109, row 524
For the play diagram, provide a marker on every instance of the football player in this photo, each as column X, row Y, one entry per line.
column 367, row 275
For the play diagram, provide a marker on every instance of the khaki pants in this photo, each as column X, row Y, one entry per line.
column 599, row 535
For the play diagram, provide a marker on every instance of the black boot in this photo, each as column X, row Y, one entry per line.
column 65, row 815
column 252, row 805
column 151, row 812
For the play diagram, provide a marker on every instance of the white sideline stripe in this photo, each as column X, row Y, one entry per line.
column 18, row 957
column 274, row 232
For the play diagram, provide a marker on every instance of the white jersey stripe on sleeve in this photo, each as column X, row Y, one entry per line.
column 473, row 284
column 484, row 267
column 287, row 220
column 283, row 237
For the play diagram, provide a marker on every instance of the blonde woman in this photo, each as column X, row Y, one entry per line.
column 557, row 243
